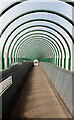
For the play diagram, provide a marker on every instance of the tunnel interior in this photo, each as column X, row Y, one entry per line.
column 37, row 33
column 42, row 32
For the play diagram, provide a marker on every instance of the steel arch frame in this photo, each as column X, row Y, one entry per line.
column 39, row 30
column 48, row 11
column 23, row 44
column 16, row 3
column 48, row 39
column 32, row 43
column 31, row 38
column 29, row 35
column 32, row 21
column 35, row 11
column 37, row 26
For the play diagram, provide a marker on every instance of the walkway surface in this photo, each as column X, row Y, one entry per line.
column 38, row 100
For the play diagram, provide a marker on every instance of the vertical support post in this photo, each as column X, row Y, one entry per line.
column 14, row 59
column 69, row 63
column 3, row 64
column 56, row 61
column 60, row 62
column 64, row 62
column 7, row 61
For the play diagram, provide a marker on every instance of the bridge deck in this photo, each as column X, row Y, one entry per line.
column 38, row 100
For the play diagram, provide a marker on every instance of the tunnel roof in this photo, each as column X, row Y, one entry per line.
column 37, row 30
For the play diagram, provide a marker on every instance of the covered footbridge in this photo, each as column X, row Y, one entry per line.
column 36, row 59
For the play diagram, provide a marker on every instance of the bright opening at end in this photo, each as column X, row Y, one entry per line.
column 35, row 62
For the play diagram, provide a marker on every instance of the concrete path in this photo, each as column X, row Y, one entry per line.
column 37, row 99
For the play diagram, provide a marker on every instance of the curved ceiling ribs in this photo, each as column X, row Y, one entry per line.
column 16, row 3
column 45, row 37
column 42, row 37
column 36, row 11
column 36, row 26
column 20, row 42
column 23, row 44
column 43, row 34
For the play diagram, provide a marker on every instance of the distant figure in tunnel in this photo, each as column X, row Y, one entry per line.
column 35, row 62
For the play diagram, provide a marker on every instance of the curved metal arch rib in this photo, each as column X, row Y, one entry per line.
column 37, row 36
column 32, row 27
column 19, row 49
column 34, row 31
column 39, row 30
column 32, row 21
column 32, row 38
column 23, row 44
column 35, row 11
column 16, row 3
column 23, row 38
column 28, row 41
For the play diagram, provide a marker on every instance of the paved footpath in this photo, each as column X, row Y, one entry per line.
column 38, row 100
